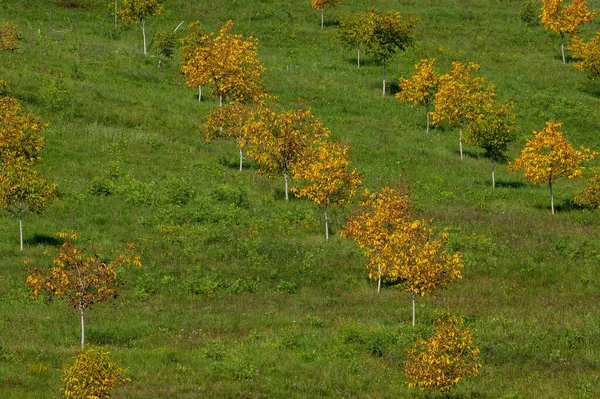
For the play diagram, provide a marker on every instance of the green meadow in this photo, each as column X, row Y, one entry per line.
column 240, row 296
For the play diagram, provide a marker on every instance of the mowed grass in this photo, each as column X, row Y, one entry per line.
column 239, row 295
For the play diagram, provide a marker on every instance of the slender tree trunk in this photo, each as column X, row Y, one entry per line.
column 220, row 100
column 241, row 159
column 199, row 93
column 493, row 173
column 378, row 278
column 326, row 224
column 358, row 59
column 144, row 34
column 460, row 141
column 412, row 295
column 384, row 79
column 21, row 225
column 116, row 14
column 82, row 327
column 285, row 179
column 562, row 47
column 322, row 17
column 551, row 196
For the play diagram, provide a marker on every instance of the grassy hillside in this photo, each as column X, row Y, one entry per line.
column 240, row 295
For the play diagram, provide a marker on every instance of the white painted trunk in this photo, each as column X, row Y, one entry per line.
column 378, row 278
column 21, row 228
column 199, row 93
column 285, row 179
column 322, row 17
column 326, row 225
column 82, row 328
column 562, row 47
column 241, row 159
column 220, row 100
column 384, row 77
column 493, row 173
column 358, row 59
column 460, row 142
column 551, row 196
column 116, row 14
column 428, row 119
column 144, row 34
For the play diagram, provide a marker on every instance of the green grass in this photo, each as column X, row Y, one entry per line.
column 239, row 295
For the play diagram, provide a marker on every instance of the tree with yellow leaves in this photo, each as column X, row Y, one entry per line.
column 564, row 17
column 228, row 61
column 277, row 141
column 78, row 279
column 195, row 51
column 549, row 156
column 419, row 261
column 321, row 4
column 421, row 88
column 378, row 216
column 461, row 97
column 93, row 374
column 326, row 177
column 138, row 12
column 493, row 130
column 230, row 122
column 590, row 196
column 443, row 360
column 22, row 189
column 587, row 55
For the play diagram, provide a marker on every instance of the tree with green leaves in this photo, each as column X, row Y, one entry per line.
column 391, row 33
column 355, row 31
column 138, row 12
column 493, row 130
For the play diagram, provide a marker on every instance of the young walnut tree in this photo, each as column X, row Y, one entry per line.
column 355, row 31
column 138, row 12
column 321, row 4
column 326, row 177
column 421, row 88
column 564, row 18
column 587, row 55
column 461, row 97
column 78, row 279
column 549, row 156
column 372, row 225
column 390, row 34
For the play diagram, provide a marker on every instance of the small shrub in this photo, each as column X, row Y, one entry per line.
column 529, row 12
column 197, row 283
column 146, row 285
column 92, row 375
column 9, row 39
column 164, row 44
column 288, row 287
column 179, row 191
column 380, row 343
column 231, row 195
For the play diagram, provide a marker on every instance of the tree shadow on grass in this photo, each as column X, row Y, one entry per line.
column 509, row 184
column 43, row 239
column 330, row 22
column 234, row 163
column 567, row 205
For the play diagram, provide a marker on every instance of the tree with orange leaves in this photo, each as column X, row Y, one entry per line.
column 443, row 360
column 549, row 156
column 277, row 141
column 565, row 19
column 326, row 178
column 321, row 4
column 460, row 97
column 421, row 88
column 78, row 279
column 587, row 55
column 378, row 216
column 226, row 61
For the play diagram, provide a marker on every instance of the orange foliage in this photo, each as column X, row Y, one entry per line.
column 421, row 88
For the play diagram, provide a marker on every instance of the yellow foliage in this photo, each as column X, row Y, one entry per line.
column 444, row 359
column 587, row 55
column 590, row 196
column 563, row 18
column 9, row 40
column 421, row 88
column 226, row 61
column 92, row 375
column 549, row 156
column 321, row 4
column 326, row 170
column 137, row 11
